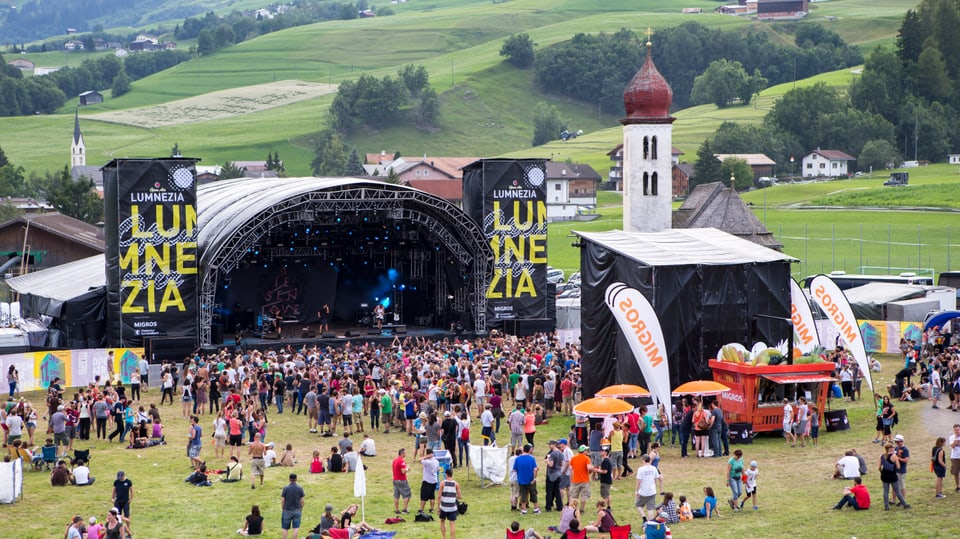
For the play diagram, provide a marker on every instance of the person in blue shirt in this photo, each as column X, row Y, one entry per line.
column 526, row 467
column 709, row 505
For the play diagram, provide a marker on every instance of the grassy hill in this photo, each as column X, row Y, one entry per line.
column 486, row 105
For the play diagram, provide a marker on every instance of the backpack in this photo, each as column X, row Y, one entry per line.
column 423, row 517
column 465, row 433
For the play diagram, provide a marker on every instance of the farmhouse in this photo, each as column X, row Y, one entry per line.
column 782, row 9
column 760, row 163
column 827, row 163
column 681, row 174
column 954, row 159
column 51, row 239
column 571, row 190
column 90, row 97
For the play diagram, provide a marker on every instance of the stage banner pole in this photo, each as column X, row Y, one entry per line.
column 804, row 327
column 835, row 305
column 515, row 225
column 641, row 327
column 150, row 206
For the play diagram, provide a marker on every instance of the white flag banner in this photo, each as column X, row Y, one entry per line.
column 360, row 480
column 837, row 308
column 641, row 327
column 805, row 336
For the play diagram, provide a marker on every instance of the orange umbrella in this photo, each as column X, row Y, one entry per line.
column 602, row 406
column 623, row 391
column 700, row 387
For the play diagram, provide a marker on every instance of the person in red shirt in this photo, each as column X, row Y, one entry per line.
column 856, row 496
column 566, row 389
column 401, row 488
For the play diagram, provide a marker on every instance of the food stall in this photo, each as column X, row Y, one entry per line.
column 757, row 391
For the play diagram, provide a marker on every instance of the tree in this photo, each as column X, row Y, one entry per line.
column 230, row 170
column 724, row 83
column 707, row 167
column 798, row 112
column 354, row 166
column 933, row 82
column 428, row 113
column 330, row 157
column 76, row 198
column 547, row 124
column 416, row 79
column 12, row 180
column 910, row 37
column 877, row 155
column 8, row 212
column 121, row 84
column 206, row 43
column 741, row 172
column 518, row 49
column 392, row 177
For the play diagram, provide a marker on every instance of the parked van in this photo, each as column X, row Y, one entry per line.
column 554, row 275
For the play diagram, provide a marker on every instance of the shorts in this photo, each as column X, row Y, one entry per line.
column 324, row 417
column 193, row 451
column 787, row 428
column 528, row 493
column 401, row 489
column 427, row 491
column 564, row 481
column 750, row 491
column 313, row 413
column 61, row 438
column 514, row 490
column 802, row 428
column 605, row 490
column 616, row 459
column 257, row 466
column 940, row 471
column 347, row 420
column 580, row 491
column 954, row 466
column 236, row 440
column 448, row 515
column 815, row 432
column 290, row 519
column 71, row 430
column 646, row 502
column 220, row 440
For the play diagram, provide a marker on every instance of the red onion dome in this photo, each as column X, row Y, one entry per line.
column 648, row 95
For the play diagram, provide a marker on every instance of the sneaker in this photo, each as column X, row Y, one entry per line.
column 730, row 501
column 755, row 508
column 313, row 431
column 536, row 511
column 405, row 512
column 523, row 511
column 935, row 407
column 907, row 506
column 876, row 440
column 941, row 496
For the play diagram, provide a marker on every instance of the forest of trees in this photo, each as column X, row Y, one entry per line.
column 382, row 101
column 596, row 68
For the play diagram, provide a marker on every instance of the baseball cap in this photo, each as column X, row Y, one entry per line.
column 898, row 438
column 582, row 449
column 753, row 464
column 329, row 507
column 60, row 408
column 446, row 414
column 562, row 441
column 120, row 474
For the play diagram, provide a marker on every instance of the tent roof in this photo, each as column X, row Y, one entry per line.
column 65, row 281
column 684, row 247
column 883, row 293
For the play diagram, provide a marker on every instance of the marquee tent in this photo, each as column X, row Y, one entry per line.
column 11, row 481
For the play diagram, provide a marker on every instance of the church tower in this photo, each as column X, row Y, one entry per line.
column 647, row 144
column 78, row 152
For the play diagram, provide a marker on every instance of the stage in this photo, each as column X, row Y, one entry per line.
column 299, row 335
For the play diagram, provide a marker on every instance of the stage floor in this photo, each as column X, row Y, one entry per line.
column 309, row 335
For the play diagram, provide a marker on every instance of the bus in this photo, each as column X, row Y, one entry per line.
column 846, row 280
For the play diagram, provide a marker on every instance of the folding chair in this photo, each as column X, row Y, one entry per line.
column 620, row 532
column 79, row 455
column 49, row 456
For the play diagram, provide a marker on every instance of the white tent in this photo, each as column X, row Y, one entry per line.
column 11, row 481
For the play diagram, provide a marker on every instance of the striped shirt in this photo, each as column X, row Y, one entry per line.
column 448, row 496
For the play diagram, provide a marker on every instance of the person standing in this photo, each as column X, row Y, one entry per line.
column 195, row 442
column 526, row 467
column 401, row 487
column 554, row 462
column 291, row 499
column 716, row 429
column 938, row 464
column 516, row 420
column 428, row 486
column 258, row 465
column 486, row 426
column 889, row 465
column 788, row 435
column 313, row 413
column 735, row 478
column 686, row 427
column 449, row 497
column 605, row 475
column 581, row 468
column 122, row 494
column 647, row 476
column 803, row 416
column 903, row 455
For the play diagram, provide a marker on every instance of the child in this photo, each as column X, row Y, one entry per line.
column 655, row 462
column 751, row 484
column 686, row 512
column 814, row 425
column 316, row 466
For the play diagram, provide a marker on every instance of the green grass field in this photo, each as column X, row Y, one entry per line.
column 795, row 485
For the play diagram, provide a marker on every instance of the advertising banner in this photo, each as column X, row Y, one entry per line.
column 805, row 337
column 837, row 308
column 151, row 232
column 515, row 225
column 641, row 327
column 74, row 368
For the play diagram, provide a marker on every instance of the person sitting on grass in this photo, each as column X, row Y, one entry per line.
column 855, row 496
column 61, row 476
column 574, row 531
column 199, row 477
column 253, row 523
column 316, row 465
column 81, row 475
column 709, row 505
column 604, row 520
column 233, row 472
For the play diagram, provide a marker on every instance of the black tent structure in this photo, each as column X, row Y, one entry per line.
column 708, row 288
column 300, row 243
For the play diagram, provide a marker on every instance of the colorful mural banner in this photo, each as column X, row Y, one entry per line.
column 74, row 368
column 874, row 335
column 835, row 305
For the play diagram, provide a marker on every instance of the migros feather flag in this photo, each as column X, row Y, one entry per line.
column 837, row 308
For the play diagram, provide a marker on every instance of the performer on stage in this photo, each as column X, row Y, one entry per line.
column 378, row 315
column 278, row 320
column 324, row 316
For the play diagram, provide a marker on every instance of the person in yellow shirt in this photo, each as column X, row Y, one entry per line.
column 616, row 449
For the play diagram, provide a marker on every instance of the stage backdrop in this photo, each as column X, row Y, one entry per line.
column 150, row 209
column 507, row 197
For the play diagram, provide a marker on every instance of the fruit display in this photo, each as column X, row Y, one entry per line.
column 760, row 354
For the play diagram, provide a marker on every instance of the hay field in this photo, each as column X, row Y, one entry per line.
column 219, row 105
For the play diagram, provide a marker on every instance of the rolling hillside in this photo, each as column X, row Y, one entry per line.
column 486, row 106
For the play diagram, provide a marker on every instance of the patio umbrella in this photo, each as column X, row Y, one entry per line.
column 623, row 391
column 602, row 407
column 700, row 387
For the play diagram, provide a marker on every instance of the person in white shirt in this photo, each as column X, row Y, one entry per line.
column 270, row 457
column 788, row 434
column 81, row 475
column 847, row 467
column 367, row 447
column 935, row 384
column 647, row 476
column 479, row 392
column 954, row 442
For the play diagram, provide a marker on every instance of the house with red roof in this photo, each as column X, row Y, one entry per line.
column 826, row 163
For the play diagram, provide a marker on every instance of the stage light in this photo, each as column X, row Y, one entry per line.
column 403, row 287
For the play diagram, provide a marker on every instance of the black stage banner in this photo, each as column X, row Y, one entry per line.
column 514, row 221
column 150, row 231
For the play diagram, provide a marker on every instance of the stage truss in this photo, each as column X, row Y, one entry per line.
column 322, row 198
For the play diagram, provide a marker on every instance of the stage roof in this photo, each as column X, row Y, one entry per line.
column 685, row 247
column 63, row 282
